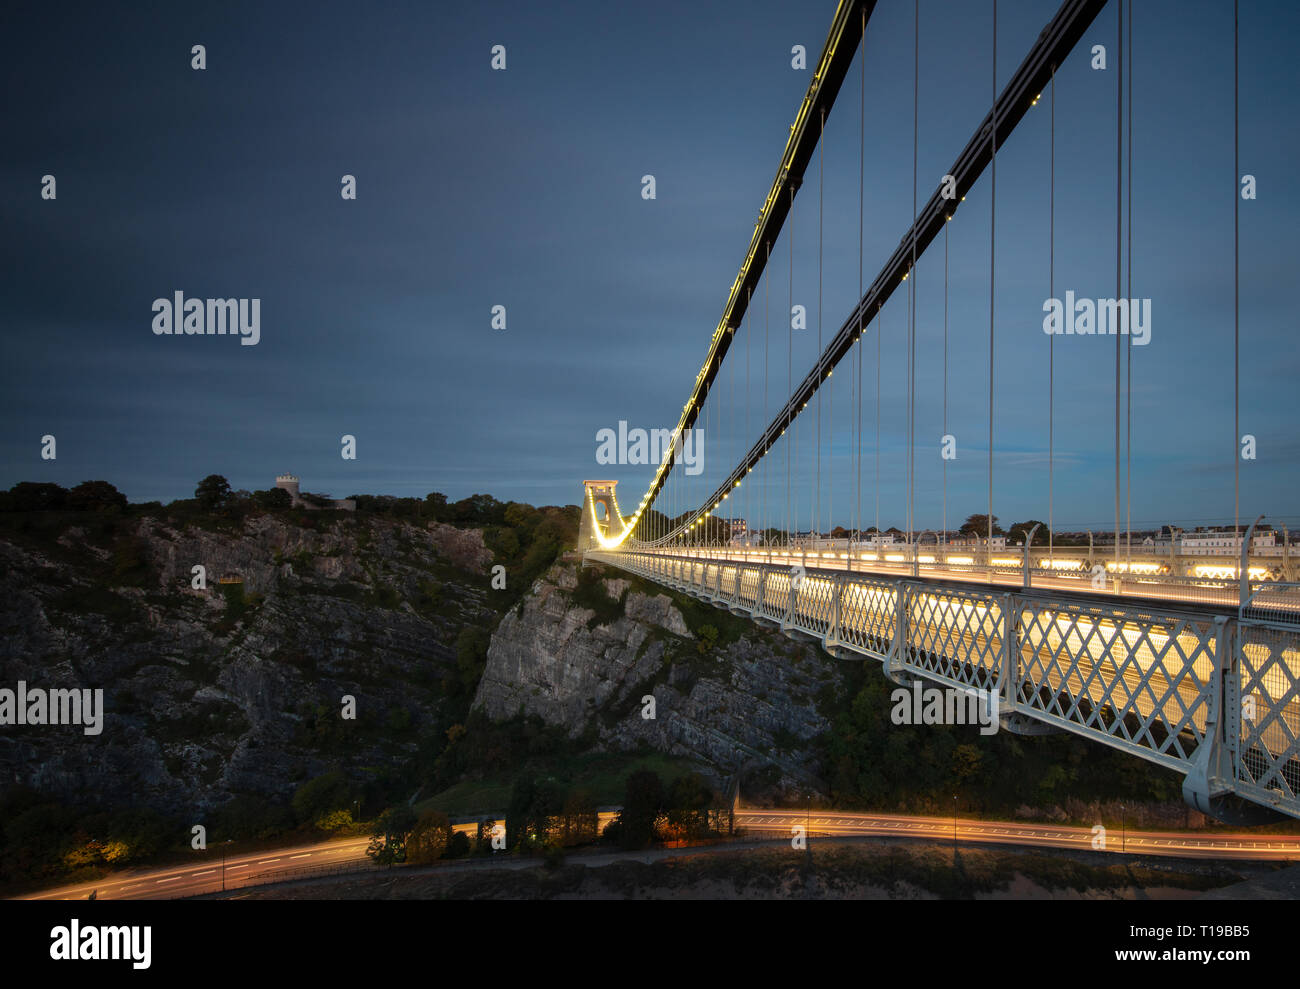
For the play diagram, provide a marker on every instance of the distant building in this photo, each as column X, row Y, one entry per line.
column 740, row 534
column 1218, row 542
column 309, row 501
column 979, row 542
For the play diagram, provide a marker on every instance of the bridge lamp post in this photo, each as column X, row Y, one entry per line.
column 1029, row 539
column 1244, row 573
column 954, row 830
column 1286, row 553
column 916, row 551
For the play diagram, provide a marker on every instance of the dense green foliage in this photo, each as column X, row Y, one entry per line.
column 872, row 763
column 390, row 834
column 44, row 838
column 323, row 798
column 430, row 839
column 654, row 812
column 590, row 593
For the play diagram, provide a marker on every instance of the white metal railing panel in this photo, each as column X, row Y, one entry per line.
column 1268, row 751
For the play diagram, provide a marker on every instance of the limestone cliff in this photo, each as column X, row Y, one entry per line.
column 747, row 702
column 236, row 687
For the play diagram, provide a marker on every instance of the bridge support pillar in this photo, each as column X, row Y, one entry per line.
column 894, row 663
column 1209, row 782
column 787, row 620
column 709, row 591
column 1007, row 684
column 831, row 642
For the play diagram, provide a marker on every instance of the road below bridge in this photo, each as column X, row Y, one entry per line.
column 302, row 861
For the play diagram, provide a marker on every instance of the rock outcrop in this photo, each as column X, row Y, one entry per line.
column 744, row 704
column 235, row 688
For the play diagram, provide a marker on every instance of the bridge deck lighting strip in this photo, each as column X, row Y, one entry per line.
column 1054, row 43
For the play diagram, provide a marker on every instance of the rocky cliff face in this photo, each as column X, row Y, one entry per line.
column 233, row 688
column 746, row 703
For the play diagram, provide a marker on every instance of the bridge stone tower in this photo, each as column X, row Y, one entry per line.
column 601, row 495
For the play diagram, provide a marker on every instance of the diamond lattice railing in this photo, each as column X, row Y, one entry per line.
column 1143, row 681
column 955, row 636
column 1268, row 752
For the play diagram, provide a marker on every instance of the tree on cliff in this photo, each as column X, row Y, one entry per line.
column 95, row 496
column 273, row 499
column 471, row 656
column 34, row 496
column 213, row 492
column 435, row 504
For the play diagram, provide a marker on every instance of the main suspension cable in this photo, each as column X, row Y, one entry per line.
column 767, row 285
column 993, row 215
column 1128, row 342
column 1051, row 340
column 1119, row 228
column 945, row 377
column 789, row 381
column 1236, row 285
column 862, row 165
column 821, row 189
column 911, row 329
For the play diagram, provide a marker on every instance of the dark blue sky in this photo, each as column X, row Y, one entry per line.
column 522, row 188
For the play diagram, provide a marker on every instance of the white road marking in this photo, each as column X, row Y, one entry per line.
column 171, row 880
column 264, row 861
column 302, row 856
column 208, row 873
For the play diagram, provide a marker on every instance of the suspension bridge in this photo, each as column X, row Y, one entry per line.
column 1188, row 660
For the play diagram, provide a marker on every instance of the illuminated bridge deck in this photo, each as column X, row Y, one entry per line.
column 1200, row 691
